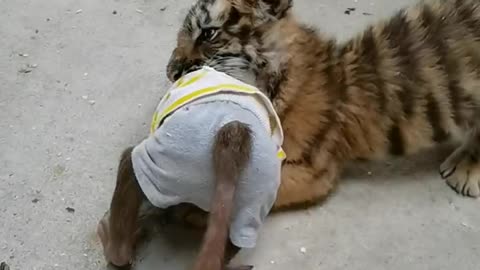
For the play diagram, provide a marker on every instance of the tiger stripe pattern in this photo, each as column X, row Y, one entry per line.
column 403, row 85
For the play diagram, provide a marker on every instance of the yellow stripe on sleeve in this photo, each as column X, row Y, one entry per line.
column 205, row 91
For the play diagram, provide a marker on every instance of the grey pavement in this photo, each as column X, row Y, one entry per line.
column 78, row 83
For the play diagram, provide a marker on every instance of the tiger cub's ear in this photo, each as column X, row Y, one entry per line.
column 276, row 8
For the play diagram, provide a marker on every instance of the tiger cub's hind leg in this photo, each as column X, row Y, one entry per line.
column 462, row 168
column 302, row 186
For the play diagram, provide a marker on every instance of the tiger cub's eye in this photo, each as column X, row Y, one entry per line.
column 209, row 34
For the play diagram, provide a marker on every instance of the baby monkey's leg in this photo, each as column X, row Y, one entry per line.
column 120, row 227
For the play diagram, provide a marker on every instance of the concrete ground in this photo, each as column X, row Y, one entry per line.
column 79, row 81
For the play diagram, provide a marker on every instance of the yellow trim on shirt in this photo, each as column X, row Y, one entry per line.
column 155, row 122
column 192, row 80
column 281, row 154
column 209, row 90
column 158, row 117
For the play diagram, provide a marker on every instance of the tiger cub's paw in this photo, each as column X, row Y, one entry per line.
column 465, row 178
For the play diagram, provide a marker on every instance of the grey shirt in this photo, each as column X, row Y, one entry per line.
column 174, row 165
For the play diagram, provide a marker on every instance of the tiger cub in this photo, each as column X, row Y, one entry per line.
column 402, row 85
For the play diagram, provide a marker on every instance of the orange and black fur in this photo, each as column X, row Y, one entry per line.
column 402, row 85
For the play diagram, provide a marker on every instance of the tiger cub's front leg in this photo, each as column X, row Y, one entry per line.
column 462, row 168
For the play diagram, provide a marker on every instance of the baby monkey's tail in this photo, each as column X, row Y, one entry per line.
column 231, row 153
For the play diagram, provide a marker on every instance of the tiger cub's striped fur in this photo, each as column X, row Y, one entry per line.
column 404, row 84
